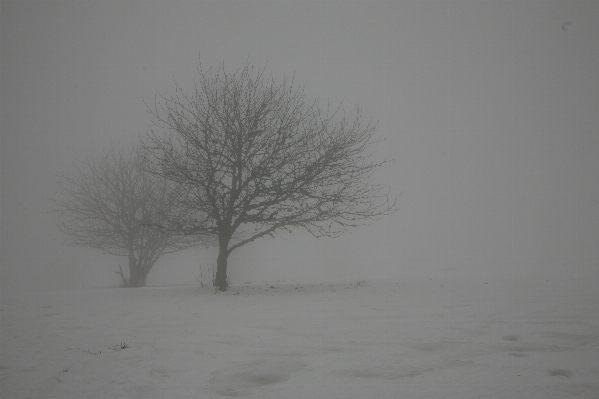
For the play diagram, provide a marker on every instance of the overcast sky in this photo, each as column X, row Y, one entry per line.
column 490, row 110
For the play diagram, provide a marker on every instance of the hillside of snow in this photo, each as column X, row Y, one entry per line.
column 444, row 336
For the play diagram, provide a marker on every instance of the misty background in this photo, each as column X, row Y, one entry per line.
column 489, row 109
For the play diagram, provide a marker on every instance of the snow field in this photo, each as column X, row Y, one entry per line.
column 445, row 336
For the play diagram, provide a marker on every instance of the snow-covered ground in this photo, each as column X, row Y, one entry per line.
column 443, row 336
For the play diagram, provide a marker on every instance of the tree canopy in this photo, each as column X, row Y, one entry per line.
column 255, row 157
column 110, row 204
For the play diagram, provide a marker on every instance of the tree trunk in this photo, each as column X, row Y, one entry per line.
column 221, row 265
column 137, row 275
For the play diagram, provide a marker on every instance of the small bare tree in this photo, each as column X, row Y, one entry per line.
column 256, row 158
column 109, row 205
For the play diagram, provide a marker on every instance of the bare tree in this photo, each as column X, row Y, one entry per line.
column 256, row 158
column 109, row 205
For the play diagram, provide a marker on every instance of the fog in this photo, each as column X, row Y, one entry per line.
column 489, row 110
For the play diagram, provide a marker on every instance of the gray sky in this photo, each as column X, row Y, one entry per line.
column 490, row 109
